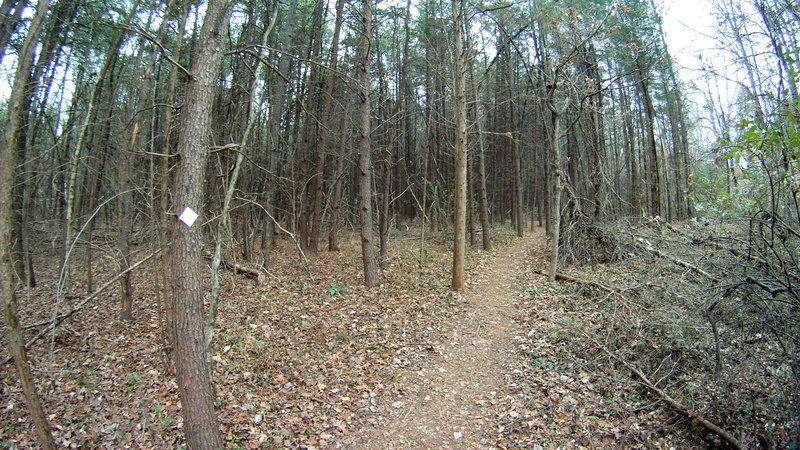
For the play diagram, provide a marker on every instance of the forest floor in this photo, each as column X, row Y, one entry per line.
column 456, row 397
column 309, row 358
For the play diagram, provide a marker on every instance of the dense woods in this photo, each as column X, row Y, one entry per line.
column 286, row 126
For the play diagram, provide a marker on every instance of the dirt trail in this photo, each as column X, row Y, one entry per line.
column 454, row 399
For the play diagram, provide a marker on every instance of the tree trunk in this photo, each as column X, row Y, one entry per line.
column 629, row 148
column 276, row 110
column 125, row 164
column 555, row 187
column 386, row 195
column 8, row 300
column 519, row 222
column 371, row 277
column 470, row 204
column 459, row 150
column 483, row 203
column 224, row 230
column 338, row 185
column 91, row 111
column 10, row 17
column 650, row 141
column 124, row 218
column 331, row 82
column 164, row 182
column 186, row 249
column 315, row 193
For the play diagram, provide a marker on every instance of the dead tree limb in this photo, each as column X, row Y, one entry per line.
column 672, row 403
column 253, row 274
column 246, row 271
column 562, row 277
column 677, row 261
column 73, row 309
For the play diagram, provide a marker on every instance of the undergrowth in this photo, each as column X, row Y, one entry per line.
column 710, row 349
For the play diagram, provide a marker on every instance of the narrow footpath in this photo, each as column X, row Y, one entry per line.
column 454, row 399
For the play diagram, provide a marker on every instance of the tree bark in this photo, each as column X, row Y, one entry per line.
column 371, row 277
column 276, row 110
column 555, row 187
column 8, row 300
column 164, row 182
column 186, row 249
column 315, row 193
column 650, row 141
column 324, row 138
column 483, row 202
column 338, row 185
column 459, row 150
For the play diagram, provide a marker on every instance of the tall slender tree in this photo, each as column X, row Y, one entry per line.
column 459, row 148
column 277, row 108
column 371, row 276
column 186, row 249
column 8, row 282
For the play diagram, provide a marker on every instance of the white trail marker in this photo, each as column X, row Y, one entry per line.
column 188, row 216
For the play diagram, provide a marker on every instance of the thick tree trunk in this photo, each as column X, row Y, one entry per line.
column 186, row 249
column 371, row 277
column 8, row 300
column 164, row 182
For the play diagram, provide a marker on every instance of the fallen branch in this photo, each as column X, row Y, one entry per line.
column 246, row 271
column 570, row 279
column 663, row 396
column 73, row 309
column 253, row 274
column 677, row 261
